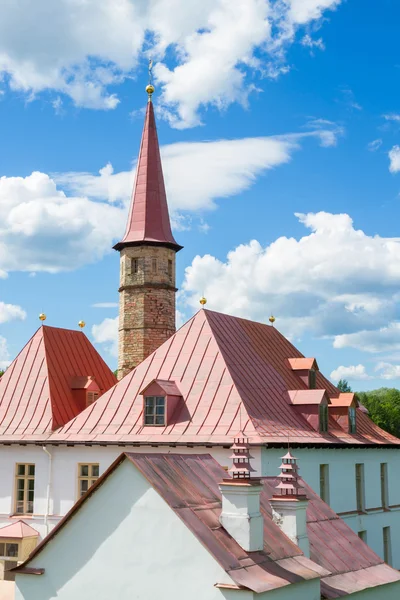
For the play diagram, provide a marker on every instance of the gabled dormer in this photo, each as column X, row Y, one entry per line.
column 85, row 390
column 306, row 369
column 313, row 406
column 343, row 410
column 160, row 398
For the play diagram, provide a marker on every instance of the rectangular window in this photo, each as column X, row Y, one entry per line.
column 352, row 420
column 154, row 410
column 8, row 550
column 312, row 379
column 87, row 475
column 134, row 266
column 384, row 486
column 363, row 535
column 91, row 397
column 323, row 418
column 387, row 546
column 360, row 488
column 24, row 488
column 170, row 269
column 324, row 483
column 154, row 265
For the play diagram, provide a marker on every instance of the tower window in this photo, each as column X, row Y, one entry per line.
column 154, row 410
column 170, row 269
column 135, row 266
column 352, row 420
column 323, row 418
column 154, row 265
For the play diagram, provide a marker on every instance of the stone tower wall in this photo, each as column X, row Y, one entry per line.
column 147, row 303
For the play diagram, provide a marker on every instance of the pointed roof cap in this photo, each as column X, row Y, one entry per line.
column 18, row 530
column 148, row 219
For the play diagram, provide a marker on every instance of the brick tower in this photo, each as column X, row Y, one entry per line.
column 147, row 259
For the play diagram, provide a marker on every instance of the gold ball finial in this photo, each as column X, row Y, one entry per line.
column 203, row 301
column 42, row 317
column 272, row 319
column 150, row 89
column 81, row 324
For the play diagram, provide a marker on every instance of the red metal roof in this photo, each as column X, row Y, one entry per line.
column 233, row 374
column 344, row 399
column 303, row 364
column 169, row 387
column 36, row 390
column 306, row 396
column 148, row 219
column 18, row 530
column 190, row 485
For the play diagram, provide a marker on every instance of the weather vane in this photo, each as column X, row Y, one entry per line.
column 150, row 86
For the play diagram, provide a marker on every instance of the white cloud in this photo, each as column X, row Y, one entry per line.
column 309, row 284
column 394, row 158
column 308, row 42
column 4, row 354
column 384, row 339
column 106, row 333
column 89, row 212
column 11, row 312
column 392, row 117
column 388, row 370
column 81, row 49
column 375, row 145
column 352, row 372
column 105, row 305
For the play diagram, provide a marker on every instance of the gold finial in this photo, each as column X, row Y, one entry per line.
column 150, row 86
column 272, row 320
column 42, row 317
column 203, row 301
column 81, row 324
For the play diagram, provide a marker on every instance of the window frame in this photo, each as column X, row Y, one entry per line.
column 312, row 379
column 384, row 486
column 387, row 545
column 154, row 265
column 134, row 266
column 324, row 482
column 26, row 478
column 91, row 397
column 323, row 418
column 90, row 478
column 147, row 414
column 352, row 416
column 5, row 554
column 360, row 487
column 363, row 535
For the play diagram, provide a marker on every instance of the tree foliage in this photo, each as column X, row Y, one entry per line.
column 384, row 408
column 343, row 385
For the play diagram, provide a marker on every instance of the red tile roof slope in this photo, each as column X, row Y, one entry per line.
column 233, row 374
column 148, row 219
column 189, row 484
column 35, row 391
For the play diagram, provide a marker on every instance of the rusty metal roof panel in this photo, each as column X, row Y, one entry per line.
column 36, row 395
column 232, row 374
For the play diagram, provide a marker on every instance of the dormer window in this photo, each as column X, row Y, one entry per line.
column 323, row 418
column 352, row 420
column 154, row 410
column 312, row 379
column 91, row 397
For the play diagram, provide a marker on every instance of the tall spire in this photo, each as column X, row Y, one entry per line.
column 148, row 220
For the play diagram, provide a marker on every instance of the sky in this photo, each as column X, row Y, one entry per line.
column 279, row 126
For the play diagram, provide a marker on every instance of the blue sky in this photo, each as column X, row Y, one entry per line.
column 279, row 124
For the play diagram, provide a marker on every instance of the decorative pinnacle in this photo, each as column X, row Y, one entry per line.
column 81, row 324
column 42, row 317
column 150, row 86
column 241, row 458
column 203, row 301
column 272, row 320
column 289, row 485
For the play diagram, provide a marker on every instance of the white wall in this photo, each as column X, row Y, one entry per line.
column 124, row 543
column 342, row 487
column 266, row 461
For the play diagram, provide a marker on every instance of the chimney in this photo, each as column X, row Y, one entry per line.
column 289, row 504
column 240, row 514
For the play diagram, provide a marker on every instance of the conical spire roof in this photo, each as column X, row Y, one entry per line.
column 148, row 219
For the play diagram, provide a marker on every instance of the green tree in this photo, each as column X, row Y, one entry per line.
column 343, row 386
column 384, row 408
column 1, row 372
